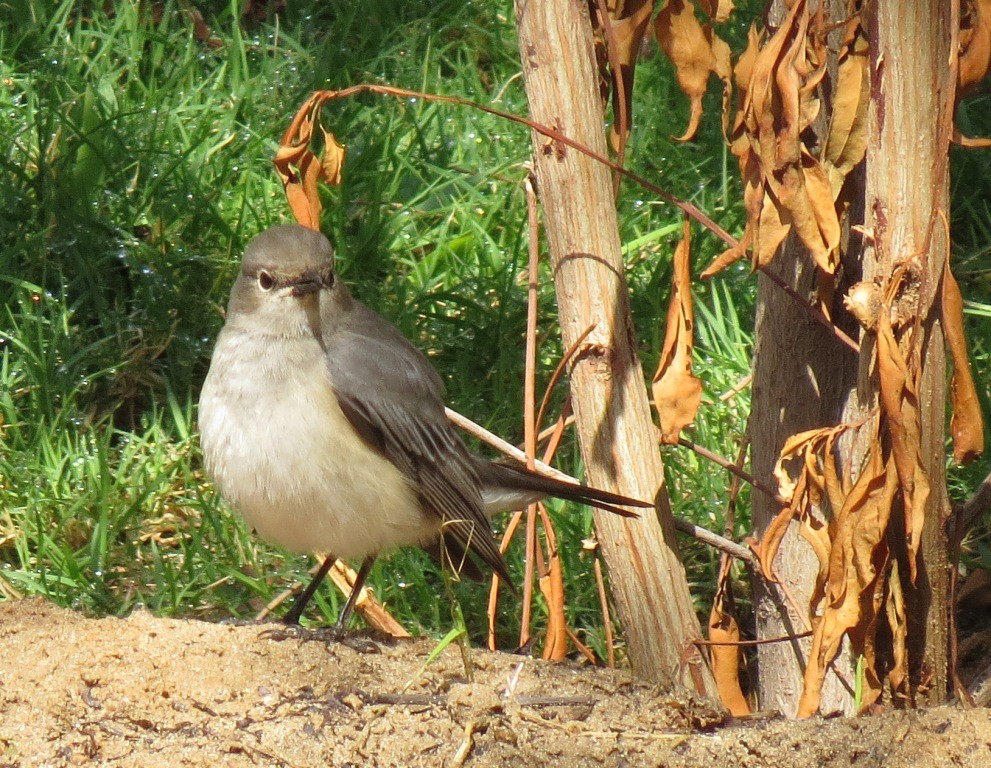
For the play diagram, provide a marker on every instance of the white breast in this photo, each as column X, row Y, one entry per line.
column 282, row 453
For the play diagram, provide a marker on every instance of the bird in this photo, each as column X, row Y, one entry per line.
column 325, row 428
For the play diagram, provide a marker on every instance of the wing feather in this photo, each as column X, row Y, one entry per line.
column 393, row 397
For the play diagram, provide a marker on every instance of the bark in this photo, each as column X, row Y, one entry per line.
column 617, row 436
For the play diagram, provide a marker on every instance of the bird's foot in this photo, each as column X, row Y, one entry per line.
column 328, row 635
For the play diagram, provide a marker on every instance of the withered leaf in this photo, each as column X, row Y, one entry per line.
column 859, row 529
column 785, row 186
column 774, row 534
column 724, row 632
column 806, row 475
column 846, row 139
column 898, row 622
column 744, row 70
column 772, row 224
column 762, row 107
column 730, row 255
column 900, row 404
column 798, row 446
column 975, row 43
column 300, row 169
column 684, row 41
column 816, row 534
column 805, row 193
column 967, row 421
column 551, row 586
column 864, row 636
column 332, row 159
column 717, row 10
column 782, row 145
column 628, row 25
column 677, row 392
column 722, row 57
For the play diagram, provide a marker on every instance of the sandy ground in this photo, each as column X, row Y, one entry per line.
column 145, row 691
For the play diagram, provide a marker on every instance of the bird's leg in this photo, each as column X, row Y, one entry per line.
column 337, row 632
column 294, row 614
column 359, row 582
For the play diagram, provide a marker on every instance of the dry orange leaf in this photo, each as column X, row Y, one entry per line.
column 744, row 70
column 816, row 534
column 717, row 10
column 762, row 104
column 683, row 39
column 967, row 421
column 806, row 194
column 332, row 159
column 629, row 23
column 860, row 529
column 799, row 446
column 785, row 187
column 864, row 636
column 900, row 403
column 805, row 473
column 784, row 111
column 898, row 622
column 753, row 184
column 725, row 632
column 300, row 169
column 730, row 255
column 846, row 140
column 723, row 58
column 677, row 392
column 770, row 542
column 552, row 588
column 975, row 43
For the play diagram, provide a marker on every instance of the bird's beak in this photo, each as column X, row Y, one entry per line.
column 307, row 283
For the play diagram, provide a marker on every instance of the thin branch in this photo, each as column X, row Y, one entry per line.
column 813, row 310
column 690, row 209
column 530, row 424
column 504, row 447
column 558, row 372
column 714, row 540
column 600, row 585
column 690, row 529
column 732, row 468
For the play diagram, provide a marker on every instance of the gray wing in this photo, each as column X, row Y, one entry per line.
column 393, row 397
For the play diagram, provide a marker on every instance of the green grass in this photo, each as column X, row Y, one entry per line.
column 136, row 165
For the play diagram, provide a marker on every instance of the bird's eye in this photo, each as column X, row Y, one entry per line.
column 265, row 281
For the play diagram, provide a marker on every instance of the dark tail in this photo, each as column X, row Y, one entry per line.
column 518, row 477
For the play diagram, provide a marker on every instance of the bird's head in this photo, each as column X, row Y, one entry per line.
column 286, row 282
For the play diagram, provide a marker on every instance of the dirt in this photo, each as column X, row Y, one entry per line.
column 147, row 691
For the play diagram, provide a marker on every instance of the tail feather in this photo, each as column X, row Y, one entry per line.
column 530, row 486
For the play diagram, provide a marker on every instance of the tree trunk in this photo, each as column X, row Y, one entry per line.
column 802, row 377
column 907, row 206
column 617, row 436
